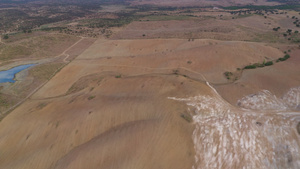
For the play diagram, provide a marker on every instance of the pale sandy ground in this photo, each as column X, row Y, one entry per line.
column 87, row 116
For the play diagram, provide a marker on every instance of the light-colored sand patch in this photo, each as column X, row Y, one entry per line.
column 227, row 137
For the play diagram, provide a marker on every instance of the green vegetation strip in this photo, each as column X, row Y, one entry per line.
column 283, row 58
column 269, row 63
column 255, row 65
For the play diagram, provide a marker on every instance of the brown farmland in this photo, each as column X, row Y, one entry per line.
column 200, row 90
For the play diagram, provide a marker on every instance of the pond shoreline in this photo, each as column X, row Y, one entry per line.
column 10, row 74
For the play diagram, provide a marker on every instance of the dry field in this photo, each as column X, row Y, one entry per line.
column 122, row 104
column 211, row 25
column 155, row 95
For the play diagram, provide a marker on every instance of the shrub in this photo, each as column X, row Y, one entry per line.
column 118, row 76
column 250, row 67
column 228, row 73
column 286, row 56
column 269, row 63
column 5, row 37
column 283, row 58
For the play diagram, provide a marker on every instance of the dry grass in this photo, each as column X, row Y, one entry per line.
column 45, row 71
column 36, row 47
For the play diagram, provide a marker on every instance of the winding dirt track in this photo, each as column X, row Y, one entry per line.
column 35, row 90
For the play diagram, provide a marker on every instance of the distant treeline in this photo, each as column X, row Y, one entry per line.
column 285, row 1
column 262, row 7
column 64, row 1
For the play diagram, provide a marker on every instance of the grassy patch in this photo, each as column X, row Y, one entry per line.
column 45, row 71
column 91, row 97
column 35, row 46
column 41, row 105
column 15, row 51
column 4, row 103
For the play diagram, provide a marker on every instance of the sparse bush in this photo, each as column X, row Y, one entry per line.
column 228, row 74
column 118, row 76
column 91, row 97
column 260, row 65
